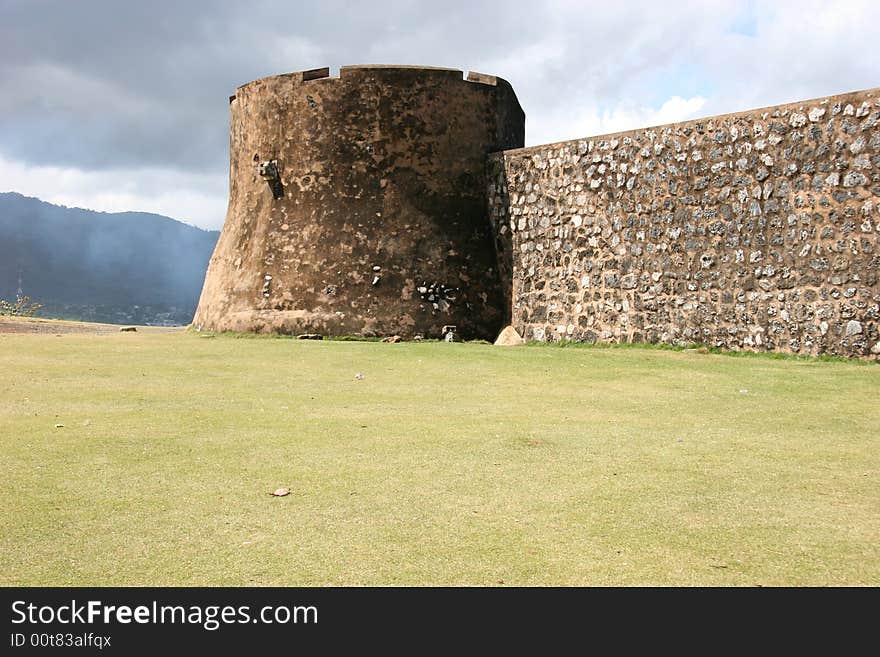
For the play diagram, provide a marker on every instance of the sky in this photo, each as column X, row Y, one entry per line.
column 123, row 105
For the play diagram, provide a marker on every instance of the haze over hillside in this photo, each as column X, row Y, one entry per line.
column 126, row 267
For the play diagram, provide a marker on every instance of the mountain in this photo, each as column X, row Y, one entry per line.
column 126, row 267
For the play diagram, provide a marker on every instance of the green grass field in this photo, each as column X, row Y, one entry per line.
column 446, row 464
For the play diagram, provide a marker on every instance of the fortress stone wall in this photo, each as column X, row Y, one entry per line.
column 396, row 200
column 758, row 230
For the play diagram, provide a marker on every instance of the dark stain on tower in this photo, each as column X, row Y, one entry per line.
column 357, row 204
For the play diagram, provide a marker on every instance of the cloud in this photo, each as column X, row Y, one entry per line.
column 102, row 87
column 593, row 120
column 197, row 199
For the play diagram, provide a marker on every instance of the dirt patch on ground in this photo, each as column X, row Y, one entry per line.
column 58, row 327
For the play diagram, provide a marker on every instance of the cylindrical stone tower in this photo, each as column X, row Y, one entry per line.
column 357, row 204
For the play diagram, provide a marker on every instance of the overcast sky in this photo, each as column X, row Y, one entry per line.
column 122, row 105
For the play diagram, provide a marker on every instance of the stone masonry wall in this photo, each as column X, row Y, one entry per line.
column 758, row 230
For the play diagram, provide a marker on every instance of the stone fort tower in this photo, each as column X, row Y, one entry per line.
column 358, row 204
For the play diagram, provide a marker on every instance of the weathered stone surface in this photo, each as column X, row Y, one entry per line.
column 854, row 178
column 757, row 231
column 853, row 327
column 509, row 338
column 349, row 194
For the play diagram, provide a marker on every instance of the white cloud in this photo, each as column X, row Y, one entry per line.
column 593, row 120
column 795, row 51
column 193, row 198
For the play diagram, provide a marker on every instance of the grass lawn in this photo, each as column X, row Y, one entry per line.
column 447, row 464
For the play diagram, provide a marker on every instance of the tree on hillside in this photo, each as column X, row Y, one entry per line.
column 22, row 307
